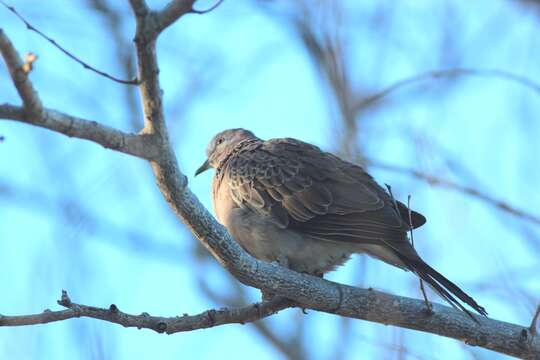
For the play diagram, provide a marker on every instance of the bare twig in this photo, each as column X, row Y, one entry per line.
column 439, row 74
column 15, row 65
column 211, row 8
column 411, row 232
column 358, row 303
column 438, row 181
column 170, row 13
column 396, row 207
column 174, row 10
column 33, row 113
column 326, row 51
column 31, row 27
column 123, row 54
column 409, row 214
column 140, row 146
column 168, row 325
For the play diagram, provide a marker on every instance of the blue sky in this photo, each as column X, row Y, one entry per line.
column 78, row 217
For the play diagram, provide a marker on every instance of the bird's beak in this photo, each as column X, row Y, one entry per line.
column 205, row 166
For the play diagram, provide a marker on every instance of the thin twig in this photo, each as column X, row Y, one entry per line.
column 501, row 74
column 30, row 27
column 168, row 325
column 124, row 55
column 195, row 11
column 438, row 181
column 409, row 213
column 396, row 207
column 422, row 289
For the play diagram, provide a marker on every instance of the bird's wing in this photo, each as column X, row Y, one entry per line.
column 300, row 187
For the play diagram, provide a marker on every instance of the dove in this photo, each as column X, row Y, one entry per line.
column 288, row 201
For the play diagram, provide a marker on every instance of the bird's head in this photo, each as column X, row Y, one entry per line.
column 221, row 145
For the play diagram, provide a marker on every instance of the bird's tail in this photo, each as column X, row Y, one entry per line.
column 444, row 287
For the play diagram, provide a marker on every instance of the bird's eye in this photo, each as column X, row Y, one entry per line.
column 219, row 141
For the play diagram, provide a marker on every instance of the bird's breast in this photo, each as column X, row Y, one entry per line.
column 263, row 239
column 222, row 202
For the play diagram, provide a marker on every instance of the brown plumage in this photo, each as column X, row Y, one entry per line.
column 287, row 198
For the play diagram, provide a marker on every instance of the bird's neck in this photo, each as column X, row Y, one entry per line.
column 241, row 146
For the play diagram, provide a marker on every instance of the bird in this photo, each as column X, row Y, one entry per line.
column 287, row 201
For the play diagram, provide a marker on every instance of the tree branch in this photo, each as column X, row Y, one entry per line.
column 305, row 290
column 210, row 9
column 140, row 146
column 172, row 12
column 34, row 113
column 168, row 325
column 123, row 46
column 365, row 304
column 31, row 27
column 438, row 181
column 26, row 91
column 140, row 8
column 496, row 73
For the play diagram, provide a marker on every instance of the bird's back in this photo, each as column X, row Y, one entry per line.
column 285, row 196
column 299, row 186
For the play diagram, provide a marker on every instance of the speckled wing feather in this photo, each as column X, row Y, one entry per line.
column 301, row 188
column 298, row 186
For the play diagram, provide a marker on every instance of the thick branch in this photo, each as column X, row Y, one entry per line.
column 151, row 23
column 168, row 325
column 343, row 300
column 137, row 145
column 33, row 113
column 140, row 8
column 151, row 94
column 145, row 41
column 306, row 290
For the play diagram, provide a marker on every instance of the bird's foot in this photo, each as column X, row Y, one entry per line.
column 282, row 260
column 267, row 295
